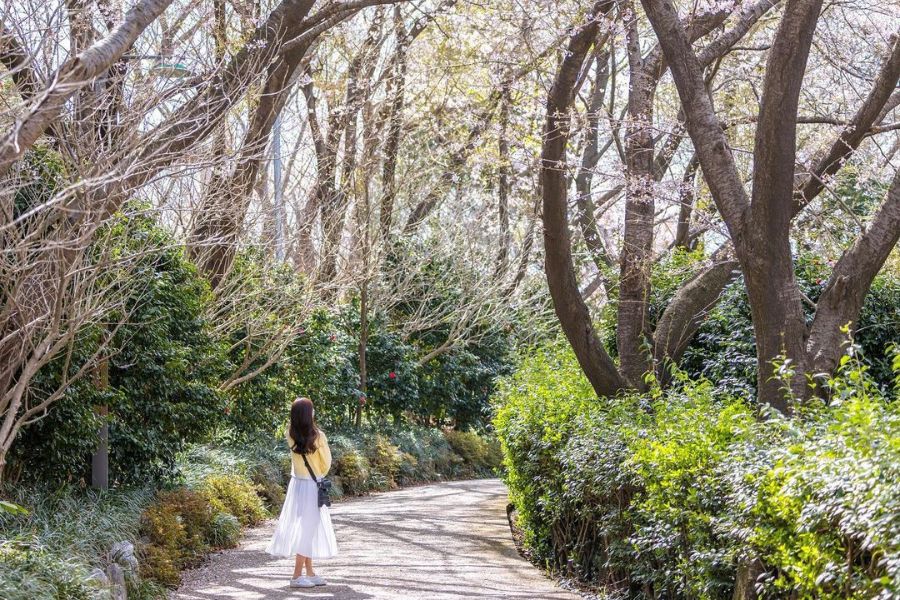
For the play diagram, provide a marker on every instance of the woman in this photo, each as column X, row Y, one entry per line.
column 304, row 529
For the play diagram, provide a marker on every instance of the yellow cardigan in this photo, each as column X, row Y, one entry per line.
column 320, row 460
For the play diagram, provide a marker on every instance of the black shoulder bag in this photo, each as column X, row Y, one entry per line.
column 324, row 485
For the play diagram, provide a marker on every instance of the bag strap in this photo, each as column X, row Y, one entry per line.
column 308, row 468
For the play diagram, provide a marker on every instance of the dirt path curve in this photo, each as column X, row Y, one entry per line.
column 448, row 541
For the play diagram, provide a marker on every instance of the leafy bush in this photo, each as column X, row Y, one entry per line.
column 827, row 517
column 353, row 471
column 430, row 456
column 161, row 564
column 179, row 520
column 180, row 527
column 681, row 549
column 686, row 494
column 548, row 421
column 162, row 558
column 237, row 496
column 163, row 374
column 477, row 451
column 384, row 460
column 264, row 461
column 724, row 349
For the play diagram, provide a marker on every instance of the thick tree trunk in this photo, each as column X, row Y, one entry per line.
column 778, row 322
column 571, row 310
column 759, row 230
column 765, row 253
column 643, row 169
column 632, row 320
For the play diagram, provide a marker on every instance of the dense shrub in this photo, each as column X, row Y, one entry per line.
column 481, row 453
column 827, row 519
column 163, row 373
column 168, row 548
column 724, row 349
column 166, row 369
column 224, row 530
column 352, row 472
column 237, row 496
column 684, row 493
column 384, row 460
column 181, row 526
column 427, row 456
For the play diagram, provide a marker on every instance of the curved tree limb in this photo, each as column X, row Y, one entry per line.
column 686, row 312
column 570, row 308
column 845, row 292
column 74, row 75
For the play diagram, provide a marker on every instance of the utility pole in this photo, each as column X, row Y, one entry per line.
column 279, row 200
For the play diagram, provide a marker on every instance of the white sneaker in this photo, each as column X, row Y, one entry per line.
column 317, row 580
column 302, row 582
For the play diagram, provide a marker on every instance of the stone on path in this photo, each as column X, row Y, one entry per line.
column 448, row 541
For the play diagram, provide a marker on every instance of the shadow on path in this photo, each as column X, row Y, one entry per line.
column 448, row 541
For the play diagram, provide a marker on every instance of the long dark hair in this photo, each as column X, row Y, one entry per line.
column 303, row 429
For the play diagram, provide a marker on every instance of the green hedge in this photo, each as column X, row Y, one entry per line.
column 686, row 494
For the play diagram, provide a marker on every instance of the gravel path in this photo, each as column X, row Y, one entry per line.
column 448, row 541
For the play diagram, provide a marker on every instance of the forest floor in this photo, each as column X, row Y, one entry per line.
column 448, row 541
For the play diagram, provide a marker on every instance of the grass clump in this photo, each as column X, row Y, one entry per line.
column 28, row 572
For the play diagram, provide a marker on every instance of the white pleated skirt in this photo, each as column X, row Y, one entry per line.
column 303, row 528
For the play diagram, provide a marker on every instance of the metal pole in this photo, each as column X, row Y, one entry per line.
column 100, row 459
column 279, row 201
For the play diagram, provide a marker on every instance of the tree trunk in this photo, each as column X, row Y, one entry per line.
column 686, row 312
column 846, row 290
column 633, row 315
column 503, row 187
column 363, row 344
column 570, row 308
column 765, row 252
